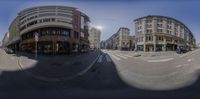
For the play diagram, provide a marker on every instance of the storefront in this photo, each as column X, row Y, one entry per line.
column 149, row 47
column 51, row 41
column 140, row 47
column 171, row 47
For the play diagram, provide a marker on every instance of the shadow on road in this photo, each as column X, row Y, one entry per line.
column 100, row 82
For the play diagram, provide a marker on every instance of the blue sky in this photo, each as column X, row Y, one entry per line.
column 112, row 14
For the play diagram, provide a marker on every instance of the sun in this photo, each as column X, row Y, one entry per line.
column 99, row 27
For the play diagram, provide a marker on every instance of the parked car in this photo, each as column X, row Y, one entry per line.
column 9, row 51
column 181, row 50
column 92, row 50
column 75, row 50
column 84, row 50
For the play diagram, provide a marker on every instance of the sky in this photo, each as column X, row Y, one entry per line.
column 112, row 14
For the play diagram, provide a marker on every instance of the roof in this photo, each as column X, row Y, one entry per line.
column 46, row 6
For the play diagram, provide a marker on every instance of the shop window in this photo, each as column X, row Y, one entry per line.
column 46, row 20
column 66, row 33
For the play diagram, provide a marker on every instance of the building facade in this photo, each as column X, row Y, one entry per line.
column 120, row 40
column 102, row 44
column 60, row 29
column 161, row 33
column 94, row 38
column 14, row 34
column 5, row 39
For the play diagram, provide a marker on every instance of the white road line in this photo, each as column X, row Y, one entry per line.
column 161, row 60
column 115, row 57
column 189, row 60
column 104, row 51
column 122, row 56
column 108, row 58
column 179, row 66
column 128, row 55
column 186, row 64
column 100, row 59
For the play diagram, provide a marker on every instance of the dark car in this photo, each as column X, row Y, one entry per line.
column 9, row 51
column 181, row 50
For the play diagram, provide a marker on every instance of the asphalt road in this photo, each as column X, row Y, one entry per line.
column 157, row 74
column 107, row 79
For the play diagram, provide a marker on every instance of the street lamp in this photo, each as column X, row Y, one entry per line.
column 36, row 40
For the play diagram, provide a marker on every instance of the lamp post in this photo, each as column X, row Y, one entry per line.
column 36, row 40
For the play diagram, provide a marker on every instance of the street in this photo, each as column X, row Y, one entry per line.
column 116, row 74
column 156, row 74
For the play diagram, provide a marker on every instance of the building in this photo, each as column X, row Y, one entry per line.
column 102, row 44
column 0, row 43
column 60, row 29
column 161, row 33
column 198, row 45
column 14, row 34
column 5, row 39
column 120, row 40
column 109, row 43
column 94, row 38
column 131, row 43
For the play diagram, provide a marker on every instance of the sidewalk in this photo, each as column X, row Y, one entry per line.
column 160, row 55
column 59, row 67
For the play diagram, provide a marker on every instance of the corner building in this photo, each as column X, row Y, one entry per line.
column 60, row 29
column 161, row 33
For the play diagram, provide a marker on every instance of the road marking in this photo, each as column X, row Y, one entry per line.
column 103, row 51
column 186, row 64
column 189, row 60
column 122, row 56
column 115, row 57
column 128, row 55
column 100, row 59
column 179, row 66
column 161, row 60
column 108, row 58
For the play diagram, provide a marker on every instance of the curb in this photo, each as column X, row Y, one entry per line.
column 190, row 53
column 59, row 79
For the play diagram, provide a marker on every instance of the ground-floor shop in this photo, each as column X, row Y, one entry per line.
column 156, row 47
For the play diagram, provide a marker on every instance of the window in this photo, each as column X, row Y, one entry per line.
column 66, row 33
column 148, row 21
column 40, row 21
column 160, row 20
column 169, row 39
column 159, row 30
column 160, row 25
column 24, row 27
column 149, row 25
column 46, row 20
column 53, row 19
column 160, row 38
column 149, row 31
column 31, row 23
column 149, row 38
column 76, row 36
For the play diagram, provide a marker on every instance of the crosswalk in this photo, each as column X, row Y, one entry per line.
column 120, row 56
column 114, row 55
